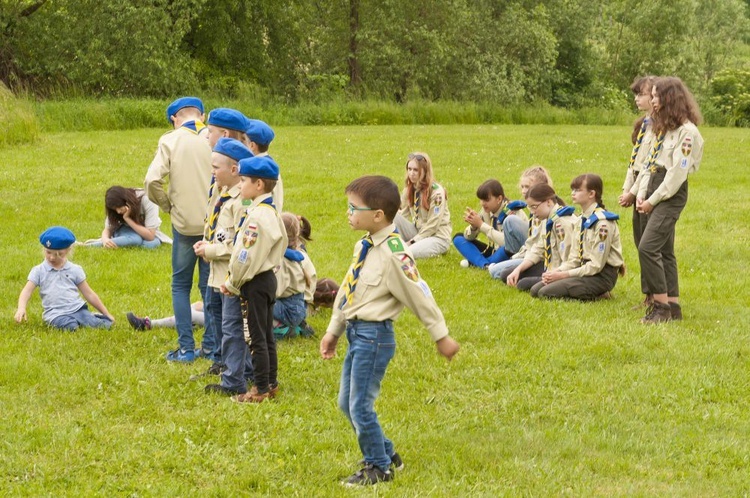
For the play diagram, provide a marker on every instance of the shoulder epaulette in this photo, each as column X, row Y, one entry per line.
column 293, row 255
column 435, row 186
column 565, row 211
column 395, row 244
column 600, row 214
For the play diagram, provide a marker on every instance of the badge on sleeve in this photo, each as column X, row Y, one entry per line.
column 687, row 146
column 603, row 231
column 438, row 199
column 395, row 244
column 559, row 231
column 242, row 257
column 602, row 245
column 250, row 236
column 409, row 268
column 221, row 235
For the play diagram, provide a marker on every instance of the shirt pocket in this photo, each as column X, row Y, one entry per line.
column 368, row 282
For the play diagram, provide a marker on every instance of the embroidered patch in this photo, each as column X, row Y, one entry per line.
column 436, row 210
column 603, row 231
column 242, row 257
column 684, row 163
column 409, row 268
column 395, row 244
column 562, row 247
column 559, row 231
column 438, row 199
column 687, row 146
column 250, row 236
column 221, row 235
column 602, row 245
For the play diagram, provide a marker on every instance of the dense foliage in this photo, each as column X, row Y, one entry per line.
column 568, row 53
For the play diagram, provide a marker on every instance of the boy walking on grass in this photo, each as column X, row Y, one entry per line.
column 259, row 246
column 382, row 279
column 184, row 157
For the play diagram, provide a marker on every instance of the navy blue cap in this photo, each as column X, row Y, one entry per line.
column 260, row 167
column 57, row 238
column 259, row 132
column 227, row 118
column 182, row 103
column 232, row 148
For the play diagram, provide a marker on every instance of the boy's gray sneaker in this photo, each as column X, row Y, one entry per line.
column 368, row 476
column 396, row 462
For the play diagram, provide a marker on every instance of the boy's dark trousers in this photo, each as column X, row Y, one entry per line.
column 260, row 294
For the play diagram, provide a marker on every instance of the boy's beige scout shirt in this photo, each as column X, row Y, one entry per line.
column 312, row 274
column 185, row 157
column 260, row 245
column 681, row 154
column 561, row 240
column 218, row 251
column 387, row 282
column 634, row 174
column 601, row 246
column 435, row 221
column 495, row 236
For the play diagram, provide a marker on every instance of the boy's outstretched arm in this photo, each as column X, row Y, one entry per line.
column 447, row 347
column 328, row 346
column 23, row 300
column 93, row 299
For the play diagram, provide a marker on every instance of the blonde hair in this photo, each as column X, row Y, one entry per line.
column 537, row 174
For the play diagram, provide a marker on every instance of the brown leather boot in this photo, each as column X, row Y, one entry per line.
column 647, row 302
column 676, row 311
column 659, row 313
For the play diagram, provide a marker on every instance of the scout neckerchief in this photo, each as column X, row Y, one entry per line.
column 215, row 215
column 586, row 223
column 563, row 211
column 194, row 126
column 417, row 202
column 267, row 201
column 655, row 152
column 638, row 141
column 351, row 278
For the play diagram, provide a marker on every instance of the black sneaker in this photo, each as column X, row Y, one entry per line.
column 139, row 323
column 216, row 369
column 368, row 476
column 396, row 462
column 224, row 391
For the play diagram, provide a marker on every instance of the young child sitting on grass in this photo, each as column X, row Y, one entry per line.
column 381, row 280
column 59, row 283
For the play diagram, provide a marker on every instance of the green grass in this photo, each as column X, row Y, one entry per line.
column 18, row 122
column 545, row 398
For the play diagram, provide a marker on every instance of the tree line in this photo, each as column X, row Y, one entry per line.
column 567, row 53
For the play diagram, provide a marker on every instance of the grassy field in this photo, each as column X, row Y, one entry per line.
column 545, row 398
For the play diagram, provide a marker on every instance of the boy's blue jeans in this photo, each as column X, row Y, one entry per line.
column 371, row 347
column 212, row 310
column 183, row 268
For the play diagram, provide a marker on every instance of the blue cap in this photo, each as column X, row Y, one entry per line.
column 227, row 118
column 182, row 103
column 260, row 167
column 57, row 238
column 232, row 148
column 259, row 132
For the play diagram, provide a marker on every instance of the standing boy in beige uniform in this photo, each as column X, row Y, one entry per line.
column 224, row 213
column 382, row 279
column 184, row 157
column 259, row 246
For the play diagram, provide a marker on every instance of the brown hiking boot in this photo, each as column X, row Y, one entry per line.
column 249, row 397
column 604, row 296
column 647, row 302
column 659, row 313
column 676, row 311
column 272, row 391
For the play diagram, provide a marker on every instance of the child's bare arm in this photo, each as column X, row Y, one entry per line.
column 93, row 299
column 23, row 300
